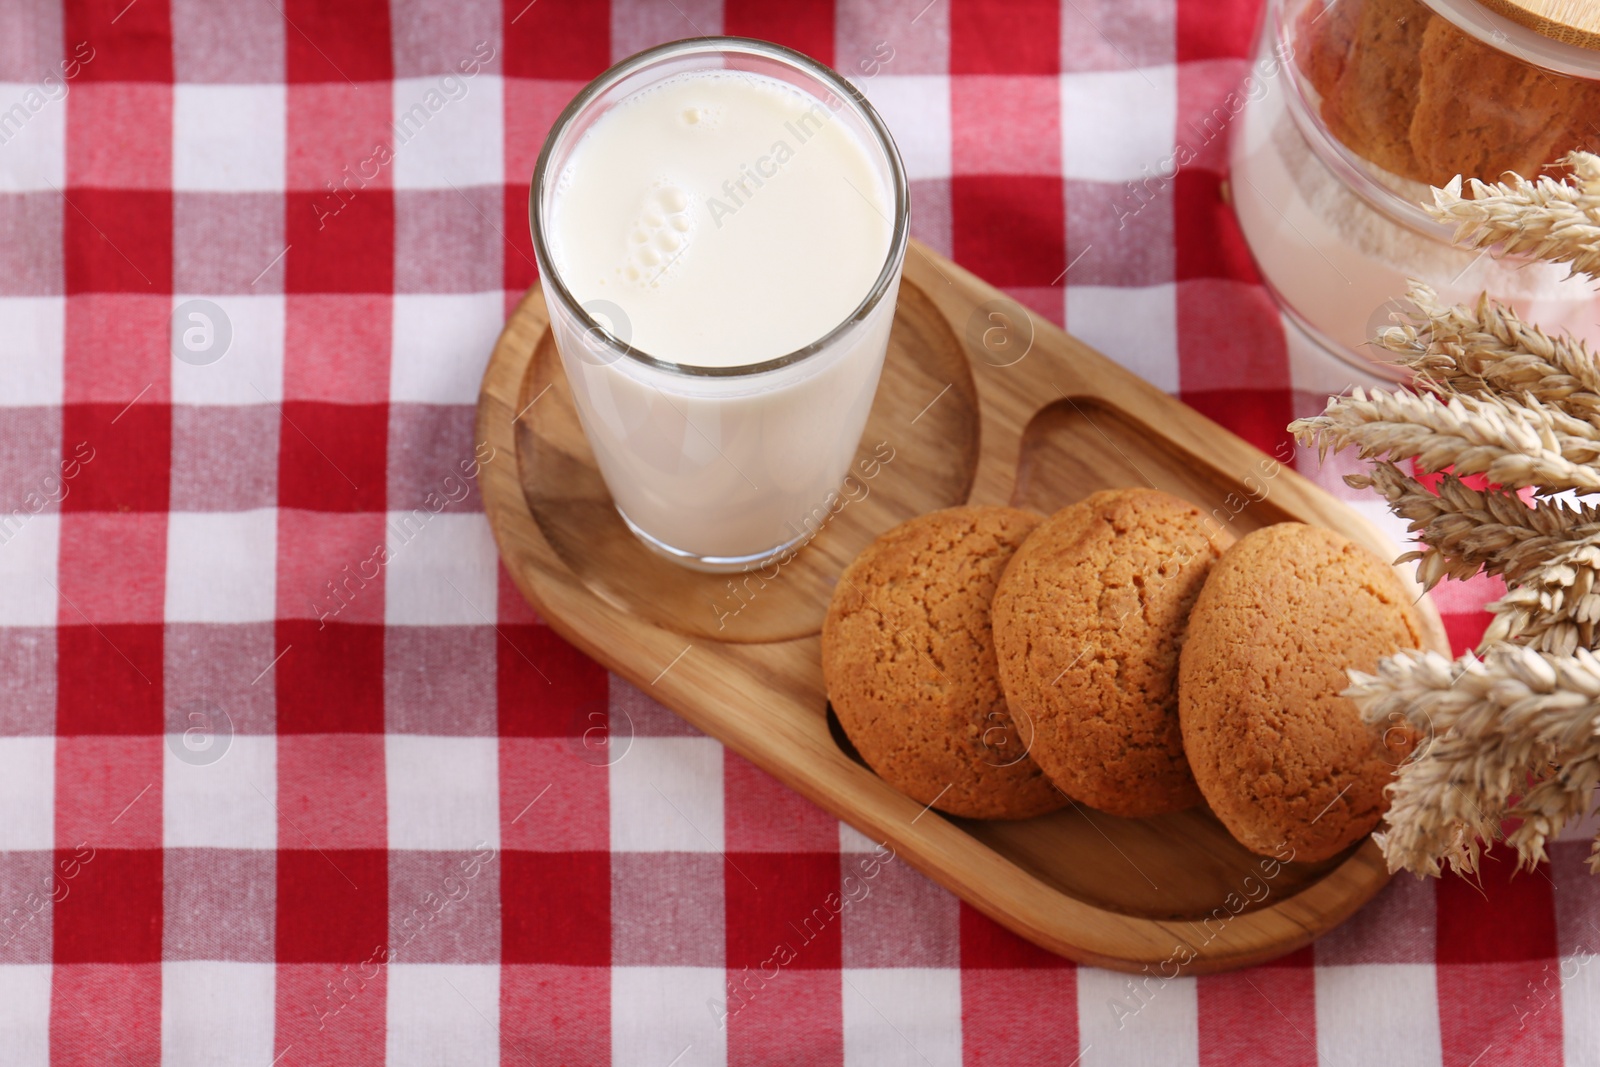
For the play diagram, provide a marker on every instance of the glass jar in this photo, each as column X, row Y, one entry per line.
column 1365, row 104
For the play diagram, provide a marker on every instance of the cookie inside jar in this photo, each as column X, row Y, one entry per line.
column 1429, row 91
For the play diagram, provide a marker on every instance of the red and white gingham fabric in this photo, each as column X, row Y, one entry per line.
column 290, row 775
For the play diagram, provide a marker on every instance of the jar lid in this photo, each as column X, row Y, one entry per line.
column 1559, row 35
column 1575, row 22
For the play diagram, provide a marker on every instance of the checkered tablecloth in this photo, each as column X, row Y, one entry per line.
column 289, row 774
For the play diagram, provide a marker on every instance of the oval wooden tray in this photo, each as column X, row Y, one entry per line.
column 979, row 401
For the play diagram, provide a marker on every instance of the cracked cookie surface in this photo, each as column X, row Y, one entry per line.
column 909, row 663
column 1278, row 753
column 1089, row 620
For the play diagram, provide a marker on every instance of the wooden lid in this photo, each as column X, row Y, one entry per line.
column 1575, row 22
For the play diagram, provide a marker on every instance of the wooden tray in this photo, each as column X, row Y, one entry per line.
column 982, row 402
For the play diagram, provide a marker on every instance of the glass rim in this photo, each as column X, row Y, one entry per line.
column 898, row 240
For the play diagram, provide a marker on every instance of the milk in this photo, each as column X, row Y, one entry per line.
column 719, row 219
column 730, row 216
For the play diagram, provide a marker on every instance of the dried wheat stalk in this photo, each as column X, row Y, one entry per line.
column 1550, row 553
column 1515, row 734
column 1554, row 607
column 1467, row 530
column 1519, row 445
column 1488, row 349
column 1488, row 725
column 1557, row 221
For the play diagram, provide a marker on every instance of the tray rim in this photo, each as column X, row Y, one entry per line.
column 1036, row 911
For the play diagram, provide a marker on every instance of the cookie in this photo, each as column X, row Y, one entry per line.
column 1324, row 36
column 1089, row 619
column 1583, row 130
column 1372, row 102
column 1481, row 113
column 908, row 659
column 1281, row 757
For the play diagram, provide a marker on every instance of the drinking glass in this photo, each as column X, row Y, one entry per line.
column 721, row 468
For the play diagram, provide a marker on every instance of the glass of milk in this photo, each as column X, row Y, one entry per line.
column 720, row 225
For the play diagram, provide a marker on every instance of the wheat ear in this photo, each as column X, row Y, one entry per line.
column 1549, row 219
column 1465, row 531
column 1487, row 726
column 1487, row 350
column 1517, row 445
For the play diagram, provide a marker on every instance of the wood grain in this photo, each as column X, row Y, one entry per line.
column 1568, row 21
column 1027, row 415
